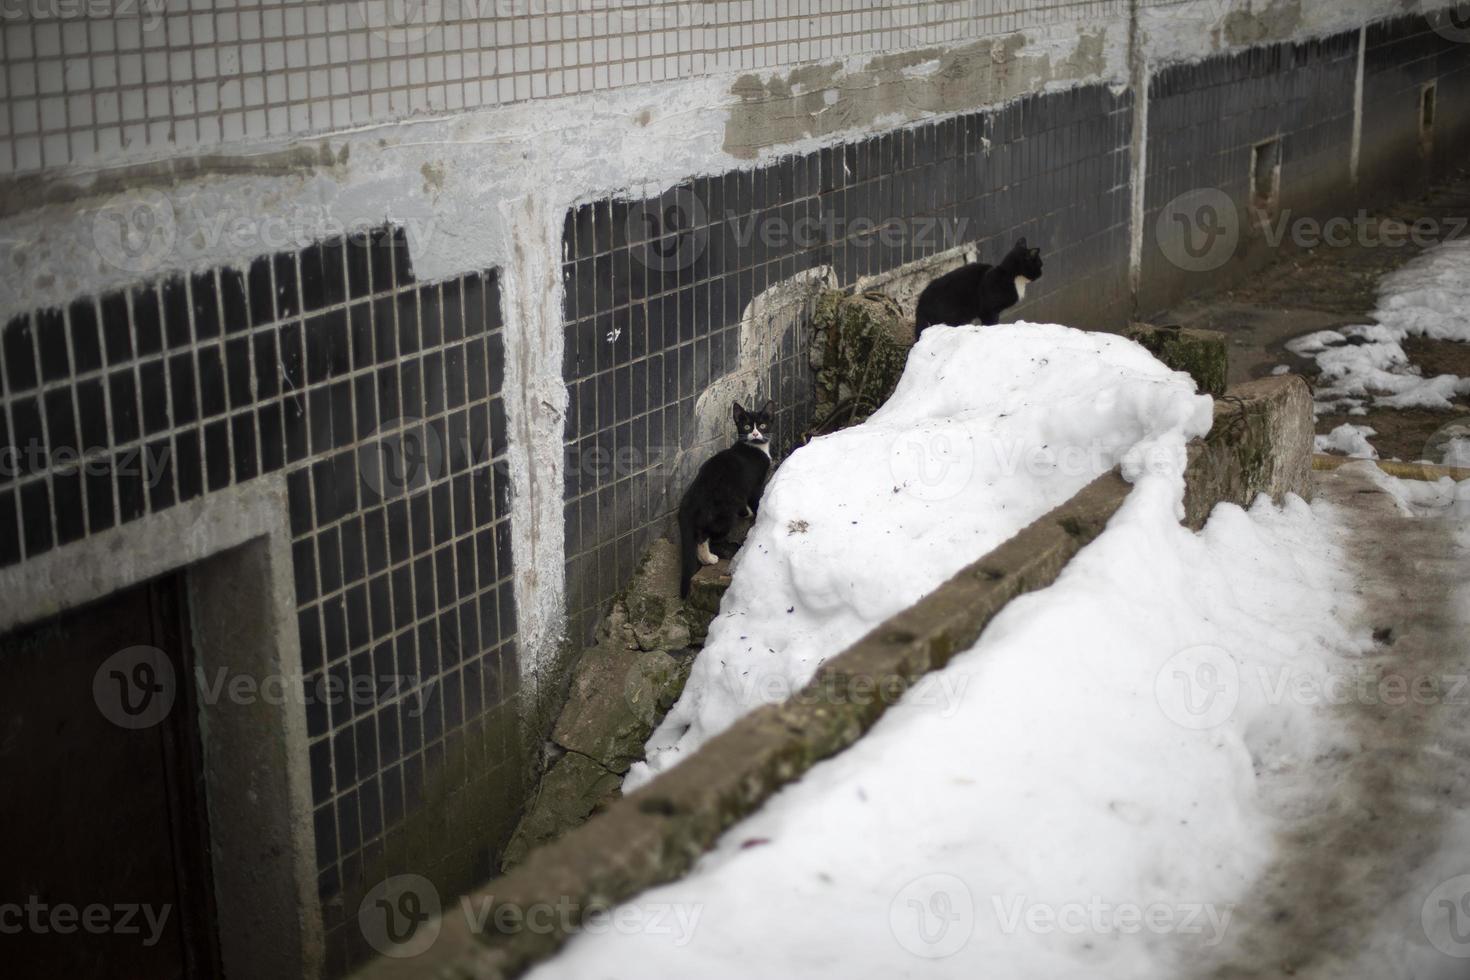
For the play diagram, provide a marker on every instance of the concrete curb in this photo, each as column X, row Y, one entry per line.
column 654, row 835
column 1426, row 472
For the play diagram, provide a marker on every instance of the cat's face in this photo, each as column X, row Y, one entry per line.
column 1026, row 260
column 754, row 426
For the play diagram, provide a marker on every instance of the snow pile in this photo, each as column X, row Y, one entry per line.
column 1429, row 297
column 1086, row 807
column 988, row 429
column 1349, row 440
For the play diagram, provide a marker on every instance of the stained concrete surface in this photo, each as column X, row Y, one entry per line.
column 1383, row 823
column 1328, row 288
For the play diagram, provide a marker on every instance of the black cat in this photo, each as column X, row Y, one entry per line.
column 979, row 291
column 727, row 487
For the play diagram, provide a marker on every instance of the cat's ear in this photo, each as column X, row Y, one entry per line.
column 769, row 408
column 1021, row 244
column 740, row 412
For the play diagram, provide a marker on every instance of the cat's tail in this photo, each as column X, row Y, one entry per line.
column 688, row 550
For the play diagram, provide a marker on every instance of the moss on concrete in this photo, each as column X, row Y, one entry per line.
column 1261, row 442
column 1201, row 354
column 859, row 350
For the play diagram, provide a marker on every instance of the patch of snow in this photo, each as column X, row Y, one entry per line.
column 989, row 428
column 1088, row 802
column 1365, row 366
column 1430, row 297
column 1349, row 440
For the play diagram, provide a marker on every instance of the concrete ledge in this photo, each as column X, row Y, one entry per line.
column 1261, row 442
column 654, row 835
column 1427, row 472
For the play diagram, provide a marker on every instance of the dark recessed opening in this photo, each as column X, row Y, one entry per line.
column 1427, row 100
column 1266, row 175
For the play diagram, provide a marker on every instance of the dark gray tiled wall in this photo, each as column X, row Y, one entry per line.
column 1402, row 55
column 379, row 398
column 1205, row 117
column 655, row 288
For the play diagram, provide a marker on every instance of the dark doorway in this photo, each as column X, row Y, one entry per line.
column 104, row 859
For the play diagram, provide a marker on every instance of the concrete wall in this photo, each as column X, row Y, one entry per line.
column 632, row 178
column 1402, row 56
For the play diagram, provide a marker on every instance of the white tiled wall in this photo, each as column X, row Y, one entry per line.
column 91, row 81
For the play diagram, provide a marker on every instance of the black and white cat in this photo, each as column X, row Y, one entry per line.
column 727, row 487
column 978, row 291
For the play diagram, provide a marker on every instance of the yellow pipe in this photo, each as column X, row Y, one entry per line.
column 1404, row 471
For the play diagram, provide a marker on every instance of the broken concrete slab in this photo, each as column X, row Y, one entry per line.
column 621, row 688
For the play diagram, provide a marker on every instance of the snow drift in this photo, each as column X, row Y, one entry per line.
column 988, row 429
column 1084, row 801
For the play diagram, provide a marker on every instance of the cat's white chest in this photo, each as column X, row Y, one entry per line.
column 1021, row 283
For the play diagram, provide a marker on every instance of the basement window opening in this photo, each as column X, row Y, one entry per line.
column 1266, row 176
column 1427, row 106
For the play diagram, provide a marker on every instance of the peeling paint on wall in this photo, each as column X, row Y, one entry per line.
column 1274, row 23
column 821, row 100
column 1183, row 30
